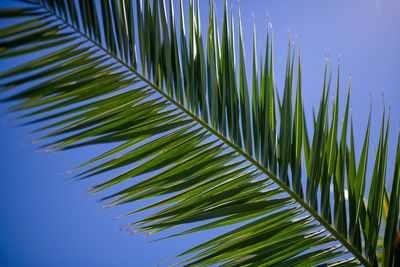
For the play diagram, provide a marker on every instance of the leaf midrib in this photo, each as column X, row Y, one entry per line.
column 222, row 138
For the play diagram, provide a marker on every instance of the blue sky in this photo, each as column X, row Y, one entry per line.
column 47, row 220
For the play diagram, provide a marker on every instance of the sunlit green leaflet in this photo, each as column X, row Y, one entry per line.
column 185, row 121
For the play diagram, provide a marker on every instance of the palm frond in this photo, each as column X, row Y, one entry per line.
column 182, row 117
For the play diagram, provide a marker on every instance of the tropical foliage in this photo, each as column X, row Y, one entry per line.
column 216, row 148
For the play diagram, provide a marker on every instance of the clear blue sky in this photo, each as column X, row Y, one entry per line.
column 45, row 220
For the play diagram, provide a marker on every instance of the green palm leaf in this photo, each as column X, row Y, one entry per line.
column 181, row 117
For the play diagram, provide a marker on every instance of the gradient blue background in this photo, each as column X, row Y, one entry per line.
column 45, row 220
